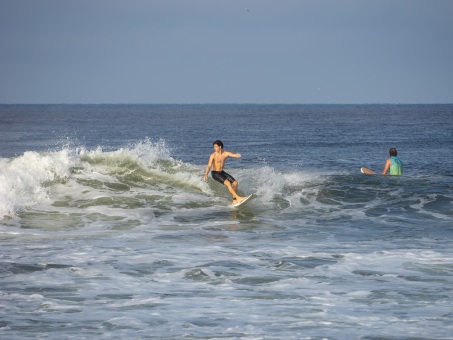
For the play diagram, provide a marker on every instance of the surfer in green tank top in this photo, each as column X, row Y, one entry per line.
column 393, row 165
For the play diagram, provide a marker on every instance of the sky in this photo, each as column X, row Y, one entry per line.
column 226, row 51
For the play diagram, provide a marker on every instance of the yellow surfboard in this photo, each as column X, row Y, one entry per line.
column 367, row 171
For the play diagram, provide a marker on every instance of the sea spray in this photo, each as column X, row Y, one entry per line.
column 144, row 162
column 24, row 180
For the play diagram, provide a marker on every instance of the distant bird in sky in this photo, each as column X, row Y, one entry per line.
column 246, row 9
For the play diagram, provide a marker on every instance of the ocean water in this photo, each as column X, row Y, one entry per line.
column 107, row 229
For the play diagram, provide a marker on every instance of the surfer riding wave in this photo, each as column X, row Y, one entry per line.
column 216, row 164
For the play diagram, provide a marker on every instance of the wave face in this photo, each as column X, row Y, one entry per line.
column 79, row 178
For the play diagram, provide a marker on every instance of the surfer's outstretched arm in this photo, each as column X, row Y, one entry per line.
column 233, row 155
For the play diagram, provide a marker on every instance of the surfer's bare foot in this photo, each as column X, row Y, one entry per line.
column 239, row 199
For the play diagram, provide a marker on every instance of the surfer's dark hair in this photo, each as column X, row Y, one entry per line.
column 219, row 143
column 393, row 152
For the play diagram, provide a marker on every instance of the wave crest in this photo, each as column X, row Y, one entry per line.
column 24, row 180
column 30, row 179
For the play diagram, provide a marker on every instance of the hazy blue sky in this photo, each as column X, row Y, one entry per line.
column 216, row 51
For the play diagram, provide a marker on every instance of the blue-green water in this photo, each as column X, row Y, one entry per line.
column 108, row 230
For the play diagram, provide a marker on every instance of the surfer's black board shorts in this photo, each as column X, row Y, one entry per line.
column 221, row 176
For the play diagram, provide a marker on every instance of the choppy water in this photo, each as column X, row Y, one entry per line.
column 108, row 230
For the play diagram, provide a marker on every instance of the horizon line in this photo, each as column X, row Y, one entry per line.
column 207, row 103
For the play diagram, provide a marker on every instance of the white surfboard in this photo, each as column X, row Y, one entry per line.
column 367, row 171
column 243, row 201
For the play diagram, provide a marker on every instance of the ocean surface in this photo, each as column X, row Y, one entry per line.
column 108, row 230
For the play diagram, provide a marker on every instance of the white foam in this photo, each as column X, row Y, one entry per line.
column 38, row 178
column 23, row 180
column 146, row 151
column 269, row 182
column 148, row 155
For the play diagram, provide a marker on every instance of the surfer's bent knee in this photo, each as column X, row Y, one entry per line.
column 227, row 183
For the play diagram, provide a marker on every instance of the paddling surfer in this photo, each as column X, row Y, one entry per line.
column 216, row 164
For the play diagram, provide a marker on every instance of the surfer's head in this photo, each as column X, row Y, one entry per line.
column 219, row 143
column 393, row 152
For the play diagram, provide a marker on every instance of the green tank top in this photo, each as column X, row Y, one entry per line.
column 396, row 168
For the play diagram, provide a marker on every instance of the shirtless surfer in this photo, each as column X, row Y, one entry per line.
column 216, row 164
